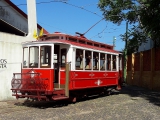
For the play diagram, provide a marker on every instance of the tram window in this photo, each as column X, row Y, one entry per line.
column 95, row 60
column 79, row 59
column 114, row 62
column 108, row 62
column 52, row 37
column 33, row 57
column 102, row 61
column 63, row 57
column 25, row 57
column 55, row 58
column 46, row 56
column 120, row 62
column 88, row 59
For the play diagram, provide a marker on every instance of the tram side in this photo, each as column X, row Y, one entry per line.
column 92, row 68
column 93, row 71
column 43, row 76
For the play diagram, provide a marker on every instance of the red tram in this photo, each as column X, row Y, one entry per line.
column 59, row 66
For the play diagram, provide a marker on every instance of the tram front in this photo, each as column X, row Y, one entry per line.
column 36, row 77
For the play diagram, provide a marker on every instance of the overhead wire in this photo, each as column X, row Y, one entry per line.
column 83, row 9
column 64, row 1
column 46, row 2
column 80, row 7
column 99, row 33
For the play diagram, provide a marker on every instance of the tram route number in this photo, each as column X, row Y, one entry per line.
column 3, row 63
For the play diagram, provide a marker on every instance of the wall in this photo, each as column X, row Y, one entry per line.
column 146, row 46
column 10, row 61
column 143, row 69
column 10, row 45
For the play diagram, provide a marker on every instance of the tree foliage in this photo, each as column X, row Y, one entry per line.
column 144, row 12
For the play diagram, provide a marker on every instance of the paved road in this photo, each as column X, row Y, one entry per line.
column 132, row 103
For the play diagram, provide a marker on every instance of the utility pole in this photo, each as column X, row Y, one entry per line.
column 125, row 54
column 32, row 17
column 114, row 40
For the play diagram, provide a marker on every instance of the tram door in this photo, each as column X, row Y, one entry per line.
column 59, row 64
column 56, row 65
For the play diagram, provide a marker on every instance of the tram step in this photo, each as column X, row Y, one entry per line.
column 31, row 96
column 59, row 88
column 59, row 97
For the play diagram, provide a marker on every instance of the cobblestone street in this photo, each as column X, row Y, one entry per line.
column 131, row 103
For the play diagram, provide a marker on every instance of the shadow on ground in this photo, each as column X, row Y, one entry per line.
column 134, row 91
column 62, row 103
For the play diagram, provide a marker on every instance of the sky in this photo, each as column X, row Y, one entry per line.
column 76, row 16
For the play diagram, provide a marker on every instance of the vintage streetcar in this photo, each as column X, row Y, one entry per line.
column 63, row 67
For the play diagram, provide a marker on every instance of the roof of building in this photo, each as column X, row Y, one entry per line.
column 10, row 28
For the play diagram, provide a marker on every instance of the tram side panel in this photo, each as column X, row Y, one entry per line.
column 90, row 79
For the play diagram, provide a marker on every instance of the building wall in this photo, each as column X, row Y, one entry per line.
column 143, row 69
column 10, row 45
column 146, row 46
column 10, row 61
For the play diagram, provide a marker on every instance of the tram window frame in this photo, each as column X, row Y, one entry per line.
column 79, row 59
column 102, row 61
column 114, row 62
column 95, row 57
column 120, row 62
column 25, row 55
column 35, row 64
column 46, row 53
column 88, row 60
column 63, row 57
column 108, row 60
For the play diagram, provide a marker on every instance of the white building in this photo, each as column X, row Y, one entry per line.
column 146, row 46
column 14, row 29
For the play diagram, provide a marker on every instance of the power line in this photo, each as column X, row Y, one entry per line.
column 65, row 2
column 99, row 33
column 83, row 9
column 90, row 4
column 61, row 1
column 24, row 4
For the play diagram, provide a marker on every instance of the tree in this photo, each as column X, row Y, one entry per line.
column 143, row 14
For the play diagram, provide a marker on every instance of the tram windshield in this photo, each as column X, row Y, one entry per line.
column 25, row 57
column 31, row 57
column 45, row 56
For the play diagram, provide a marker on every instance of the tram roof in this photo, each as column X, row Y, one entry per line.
column 77, row 41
